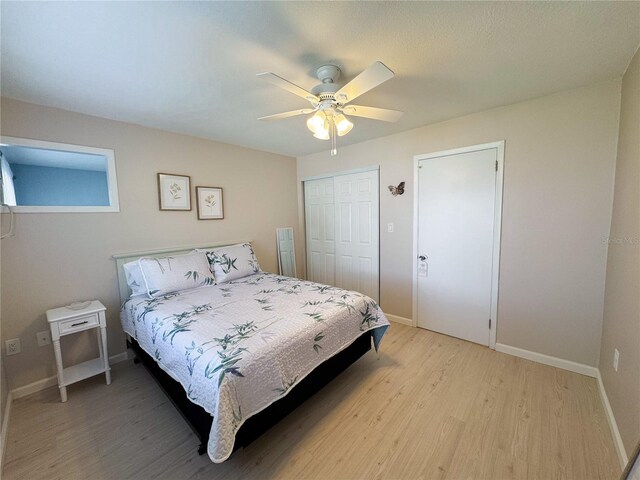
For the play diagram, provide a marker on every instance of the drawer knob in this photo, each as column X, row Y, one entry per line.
column 79, row 323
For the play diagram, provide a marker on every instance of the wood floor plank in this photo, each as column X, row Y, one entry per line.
column 427, row 407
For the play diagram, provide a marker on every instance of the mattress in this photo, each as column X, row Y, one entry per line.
column 238, row 347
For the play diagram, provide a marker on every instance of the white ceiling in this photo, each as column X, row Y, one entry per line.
column 40, row 157
column 189, row 67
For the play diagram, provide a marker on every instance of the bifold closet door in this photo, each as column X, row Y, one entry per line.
column 343, row 231
column 320, row 230
column 357, row 251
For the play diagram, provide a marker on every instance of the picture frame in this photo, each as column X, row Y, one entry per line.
column 174, row 192
column 210, row 203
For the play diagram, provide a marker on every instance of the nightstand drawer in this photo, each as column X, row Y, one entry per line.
column 78, row 323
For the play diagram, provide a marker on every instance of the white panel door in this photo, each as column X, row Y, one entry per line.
column 456, row 215
column 320, row 230
column 357, row 250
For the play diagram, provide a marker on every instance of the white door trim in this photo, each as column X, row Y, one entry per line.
column 497, row 229
column 345, row 172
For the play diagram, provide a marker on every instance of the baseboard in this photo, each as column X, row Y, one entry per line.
column 34, row 387
column 584, row 370
column 548, row 360
column 5, row 428
column 120, row 357
column 39, row 385
column 397, row 319
column 613, row 425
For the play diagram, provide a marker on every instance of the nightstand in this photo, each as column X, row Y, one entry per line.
column 65, row 321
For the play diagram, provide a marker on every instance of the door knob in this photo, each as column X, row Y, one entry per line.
column 422, row 257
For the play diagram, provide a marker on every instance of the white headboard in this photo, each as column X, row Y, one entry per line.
column 122, row 258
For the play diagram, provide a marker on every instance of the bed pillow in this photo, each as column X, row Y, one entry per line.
column 134, row 278
column 163, row 275
column 233, row 262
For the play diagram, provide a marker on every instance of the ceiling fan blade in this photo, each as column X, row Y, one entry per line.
column 293, row 113
column 372, row 77
column 288, row 86
column 373, row 112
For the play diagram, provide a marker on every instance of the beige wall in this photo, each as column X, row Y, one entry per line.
column 559, row 163
column 59, row 258
column 621, row 327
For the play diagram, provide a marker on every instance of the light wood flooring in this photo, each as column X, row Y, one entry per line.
column 427, row 407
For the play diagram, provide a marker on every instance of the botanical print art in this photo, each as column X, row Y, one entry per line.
column 174, row 192
column 209, row 203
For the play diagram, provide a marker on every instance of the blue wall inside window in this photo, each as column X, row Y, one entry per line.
column 59, row 186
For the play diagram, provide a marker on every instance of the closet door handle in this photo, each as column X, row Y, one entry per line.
column 422, row 257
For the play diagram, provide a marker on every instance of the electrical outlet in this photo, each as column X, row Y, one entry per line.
column 390, row 227
column 13, row 346
column 616, row 359
column 44, row 338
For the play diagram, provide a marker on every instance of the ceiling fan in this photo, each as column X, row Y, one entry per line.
column 331, row 104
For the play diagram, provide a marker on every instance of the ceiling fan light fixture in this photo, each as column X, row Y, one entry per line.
column 343, row 125
column 316, row 122
column 332, row 103
column 322, row 134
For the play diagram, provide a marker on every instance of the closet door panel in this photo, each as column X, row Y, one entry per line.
column 342, row 231
column 357, row 221
column 320, row 230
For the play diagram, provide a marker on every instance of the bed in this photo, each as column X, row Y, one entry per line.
column 238, row 356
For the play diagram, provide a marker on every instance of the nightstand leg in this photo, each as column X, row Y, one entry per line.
column 99, row 337
column 105, row 354
column 58, row 353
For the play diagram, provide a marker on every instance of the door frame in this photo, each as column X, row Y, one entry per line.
column 343, row 172
column 319, row 176
column 497, row 227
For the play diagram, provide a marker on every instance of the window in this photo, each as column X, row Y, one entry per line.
column 39, row 177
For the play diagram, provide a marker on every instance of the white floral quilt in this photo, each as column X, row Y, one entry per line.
column 239, row 346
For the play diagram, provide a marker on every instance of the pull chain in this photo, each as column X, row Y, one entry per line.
column 334, row 147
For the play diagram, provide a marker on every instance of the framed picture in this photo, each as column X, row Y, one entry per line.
column 209, row 200
column 174, row 191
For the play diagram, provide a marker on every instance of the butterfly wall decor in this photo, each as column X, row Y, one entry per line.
column 395, row 191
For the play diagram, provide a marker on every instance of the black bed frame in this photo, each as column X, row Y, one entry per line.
column 200, row 421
